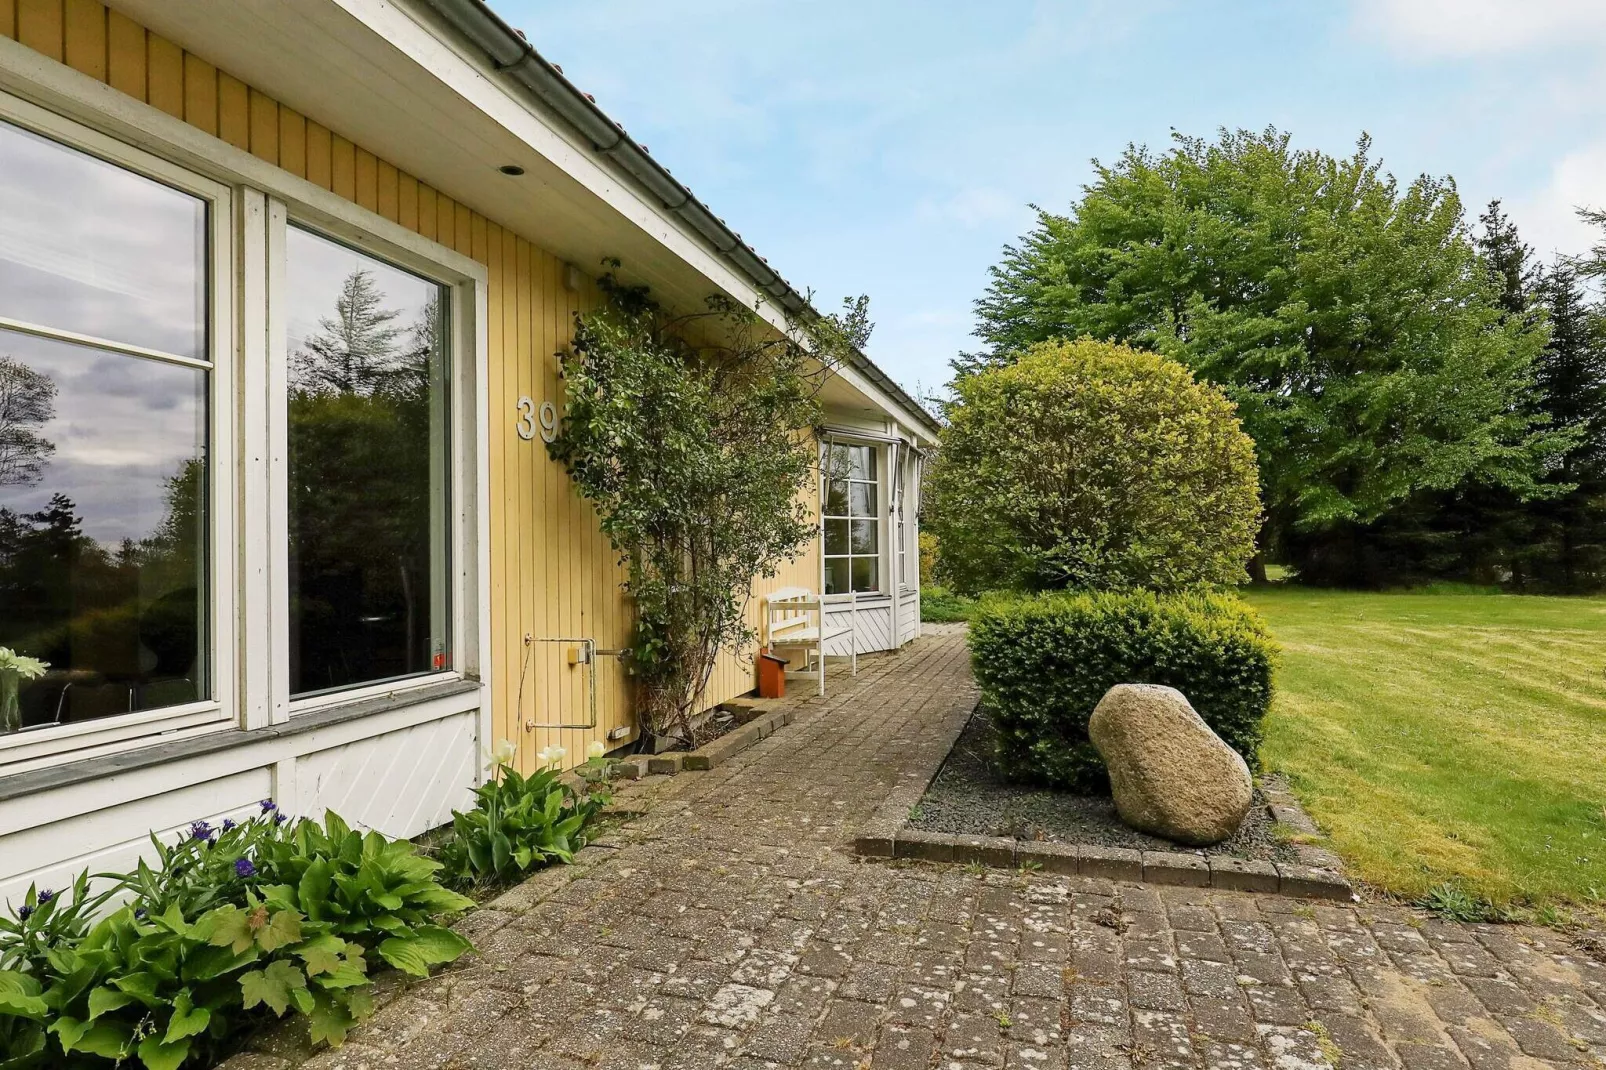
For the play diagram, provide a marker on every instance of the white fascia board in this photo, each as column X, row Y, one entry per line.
column 410, row 31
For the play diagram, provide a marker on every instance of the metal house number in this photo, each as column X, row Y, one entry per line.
column 529, row 418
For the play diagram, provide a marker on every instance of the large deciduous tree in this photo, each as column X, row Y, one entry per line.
column 1352, row 320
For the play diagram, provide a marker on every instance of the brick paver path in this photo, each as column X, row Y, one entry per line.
column 730, row 928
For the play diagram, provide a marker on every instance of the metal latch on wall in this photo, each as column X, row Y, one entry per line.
column 580, row 652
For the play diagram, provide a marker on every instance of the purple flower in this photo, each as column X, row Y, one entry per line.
column 24, row 912
column 139, row 914
column 278, row 818
column 228, row 823
column 45, row 896
column 201, row 830
column 268, row 806
column 244, row 868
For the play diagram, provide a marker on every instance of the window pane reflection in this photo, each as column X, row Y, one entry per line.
column 88, row 247
column 102, row 528
column 368, row 488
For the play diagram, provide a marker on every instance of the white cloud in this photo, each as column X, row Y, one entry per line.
column 972, row 207
column 1439, row 28
column 1548, row 219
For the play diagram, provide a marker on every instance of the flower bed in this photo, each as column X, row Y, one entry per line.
column 168, row 965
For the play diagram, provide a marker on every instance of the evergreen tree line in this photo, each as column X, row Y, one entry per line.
column 1427, row 398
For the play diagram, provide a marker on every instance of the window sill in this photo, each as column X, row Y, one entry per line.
column 34, row 781
column 866, row 598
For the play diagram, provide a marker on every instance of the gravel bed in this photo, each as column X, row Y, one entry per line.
column 968, row 797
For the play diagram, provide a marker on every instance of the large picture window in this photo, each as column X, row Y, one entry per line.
column 368, row 460
column 104, row 485
column 852, row 520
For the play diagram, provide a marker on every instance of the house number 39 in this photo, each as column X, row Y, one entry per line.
column 529, row 416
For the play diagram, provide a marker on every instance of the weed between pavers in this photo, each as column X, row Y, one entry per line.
column 1138, row 1053
column 1325, row 1042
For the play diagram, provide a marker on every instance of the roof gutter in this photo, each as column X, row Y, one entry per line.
column 514, row 56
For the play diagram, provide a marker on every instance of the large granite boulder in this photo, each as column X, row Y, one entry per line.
column 1170, row 774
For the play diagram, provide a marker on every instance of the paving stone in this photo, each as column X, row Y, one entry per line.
column 1359, row 1046
column 1277, row 1005
column 1310, row 883
column 1174, row 867
column 731, row 927
column 1114, row 863
column 1155, row 991
column 849, row 1021
column 1098, row 1048
column 995, row 851
column 1049, row 857
column 1541, row 1039
column 901, row 1047
column 1429, row 1057
column 929, row 846
column 779, row 1038
column 1164, row 1037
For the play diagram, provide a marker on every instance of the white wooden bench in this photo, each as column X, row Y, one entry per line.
column 795, row 619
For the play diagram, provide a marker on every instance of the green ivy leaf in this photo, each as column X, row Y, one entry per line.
column 330, row 1020
column 228, row 927
column 283, row 930
column 272, row 986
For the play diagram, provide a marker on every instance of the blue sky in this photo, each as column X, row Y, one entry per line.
column 892, row 147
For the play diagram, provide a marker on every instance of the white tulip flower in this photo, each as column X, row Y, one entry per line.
column 595, row 749
column 501, row 755
column 556, row 752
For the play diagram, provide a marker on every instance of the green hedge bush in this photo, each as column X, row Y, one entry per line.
column 1044, row 662
column 1091, row 466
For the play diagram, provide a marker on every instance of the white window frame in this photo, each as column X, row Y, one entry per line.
column 460, row 468
column 49, row 745
column 879, row 450
column 246, row 451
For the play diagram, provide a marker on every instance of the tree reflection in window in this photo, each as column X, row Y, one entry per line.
column 368, row 491
column 103, row 453
column 102, row 529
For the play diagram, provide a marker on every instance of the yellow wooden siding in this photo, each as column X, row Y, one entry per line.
column 552, row 572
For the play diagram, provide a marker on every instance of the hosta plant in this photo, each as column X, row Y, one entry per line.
column 158, row 990
column 380, row 893
column 215, row 933
column 519, row 823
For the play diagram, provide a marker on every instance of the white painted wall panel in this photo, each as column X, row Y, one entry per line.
column 401, row 783
column 873, row 625
column 112, row 839
column 908, row 617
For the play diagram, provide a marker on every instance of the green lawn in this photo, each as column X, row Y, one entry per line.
column 1448, row 737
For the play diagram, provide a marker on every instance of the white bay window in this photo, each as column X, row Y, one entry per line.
column 852, row 518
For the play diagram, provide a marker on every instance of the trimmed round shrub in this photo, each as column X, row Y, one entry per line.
column 1044, row 662
column 1094, row 466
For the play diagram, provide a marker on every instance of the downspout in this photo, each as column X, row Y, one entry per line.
column 515, row 57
